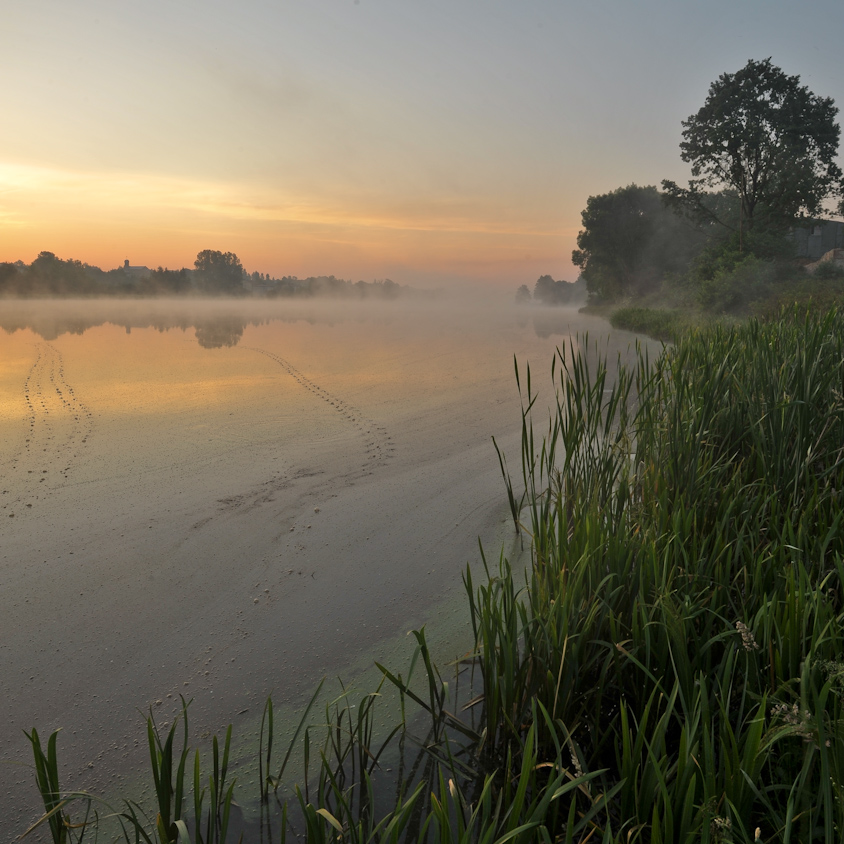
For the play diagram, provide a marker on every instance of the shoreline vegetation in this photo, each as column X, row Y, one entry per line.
column 664, row 324
column 214, row 273
column 670, row 670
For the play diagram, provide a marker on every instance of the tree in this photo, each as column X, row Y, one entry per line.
column 48, row 275
column 545, row 289
column 630, row 241
column 9, row 278
column 219, row 272
column 168, row 281
column 523, row 295
column 767, row 138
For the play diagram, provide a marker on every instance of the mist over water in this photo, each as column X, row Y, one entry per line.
column 226, row 498
column 221, row 322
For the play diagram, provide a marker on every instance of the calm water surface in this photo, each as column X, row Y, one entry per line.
column 224, row 500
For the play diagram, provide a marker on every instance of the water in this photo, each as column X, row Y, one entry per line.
column 224, row 500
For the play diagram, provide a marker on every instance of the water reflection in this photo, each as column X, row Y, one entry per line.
column 215, row 325
column 552, row 321
column 222, row 324
column 223, row 331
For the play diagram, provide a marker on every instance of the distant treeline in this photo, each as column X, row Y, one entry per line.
column 546, row 291
column 214, row 274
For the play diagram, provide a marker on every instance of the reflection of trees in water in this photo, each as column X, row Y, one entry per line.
column 219, row 332
column 215, row 327
column 46, row 328
column 551, row 322
column 212, row 331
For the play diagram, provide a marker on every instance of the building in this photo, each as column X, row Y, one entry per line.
column 815, row 241
column 136, row 273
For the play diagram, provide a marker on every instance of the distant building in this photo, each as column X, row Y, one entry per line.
column 816, row 240
column 136, row 272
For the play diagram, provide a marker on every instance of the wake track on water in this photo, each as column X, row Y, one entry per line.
column 58, row 425
column 378, row 444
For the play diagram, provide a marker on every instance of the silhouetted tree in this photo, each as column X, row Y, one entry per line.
column 523, row 295
column 550, row 292
column 168, row 281
column 48, row 275
column 219, row 272
column 543, row 290
column 9, row 279
column 389, row 289
column 767, row 138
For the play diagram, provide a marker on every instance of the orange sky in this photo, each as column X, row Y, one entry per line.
column 103, row 218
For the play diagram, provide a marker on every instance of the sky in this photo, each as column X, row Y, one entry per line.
column 434, row 142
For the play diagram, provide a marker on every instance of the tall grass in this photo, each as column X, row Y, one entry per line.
column 683, row 621
column 672, row 667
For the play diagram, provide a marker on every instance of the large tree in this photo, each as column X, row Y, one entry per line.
column 219, row 272
column 767, row 138
column 630, row 242
column 48, row 275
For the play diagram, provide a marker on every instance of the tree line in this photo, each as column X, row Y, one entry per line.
column 214, row 273
column 546, row 291
column 762, row 152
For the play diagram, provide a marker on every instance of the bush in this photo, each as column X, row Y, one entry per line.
column 829, row 270
column 732, row 289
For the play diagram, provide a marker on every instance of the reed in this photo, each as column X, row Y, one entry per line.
column 684, row 604
column 169, row 821
column 54, row 799
column 670, row 666
column 664, row 324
